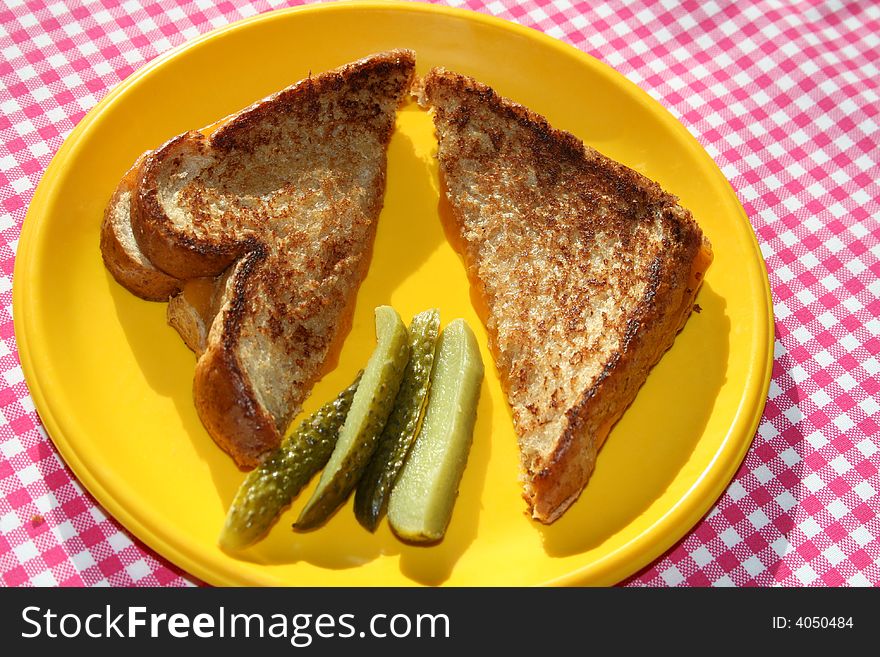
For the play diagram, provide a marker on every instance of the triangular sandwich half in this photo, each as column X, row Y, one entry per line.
column 268, row 218
column 587, row 271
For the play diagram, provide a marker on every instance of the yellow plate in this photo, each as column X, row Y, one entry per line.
column 112, row 382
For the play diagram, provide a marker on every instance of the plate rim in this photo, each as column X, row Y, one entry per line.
column 613, row 567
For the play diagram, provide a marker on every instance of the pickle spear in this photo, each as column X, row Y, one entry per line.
column 374, row 487
column 272, row 485
column 369, row 411
column 423, row 498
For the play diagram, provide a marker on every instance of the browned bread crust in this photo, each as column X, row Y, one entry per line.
column 195, row 246
column 274, row 210
column 122, row 254
column 227, row 401
column 586, row 269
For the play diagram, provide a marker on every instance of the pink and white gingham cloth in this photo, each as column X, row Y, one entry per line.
column 784, row 96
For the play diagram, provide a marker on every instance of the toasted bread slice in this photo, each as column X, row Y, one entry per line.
column 585, row 268
column 192, row 311
column 122, row 254
column 273, row 210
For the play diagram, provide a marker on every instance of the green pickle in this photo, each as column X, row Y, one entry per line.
column 270, row 487
column 374, row 487
column 359, row 436
column 423, row 498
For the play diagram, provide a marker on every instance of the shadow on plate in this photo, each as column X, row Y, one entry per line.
column 164, row 361
column 637, row 468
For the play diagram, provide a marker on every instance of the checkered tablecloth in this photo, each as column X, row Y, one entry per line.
column 784, row 96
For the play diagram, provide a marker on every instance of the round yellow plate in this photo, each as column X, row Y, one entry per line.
column 112, row 382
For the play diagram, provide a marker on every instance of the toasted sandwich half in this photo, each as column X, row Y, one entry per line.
column 586, row 270
column 266, row 222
